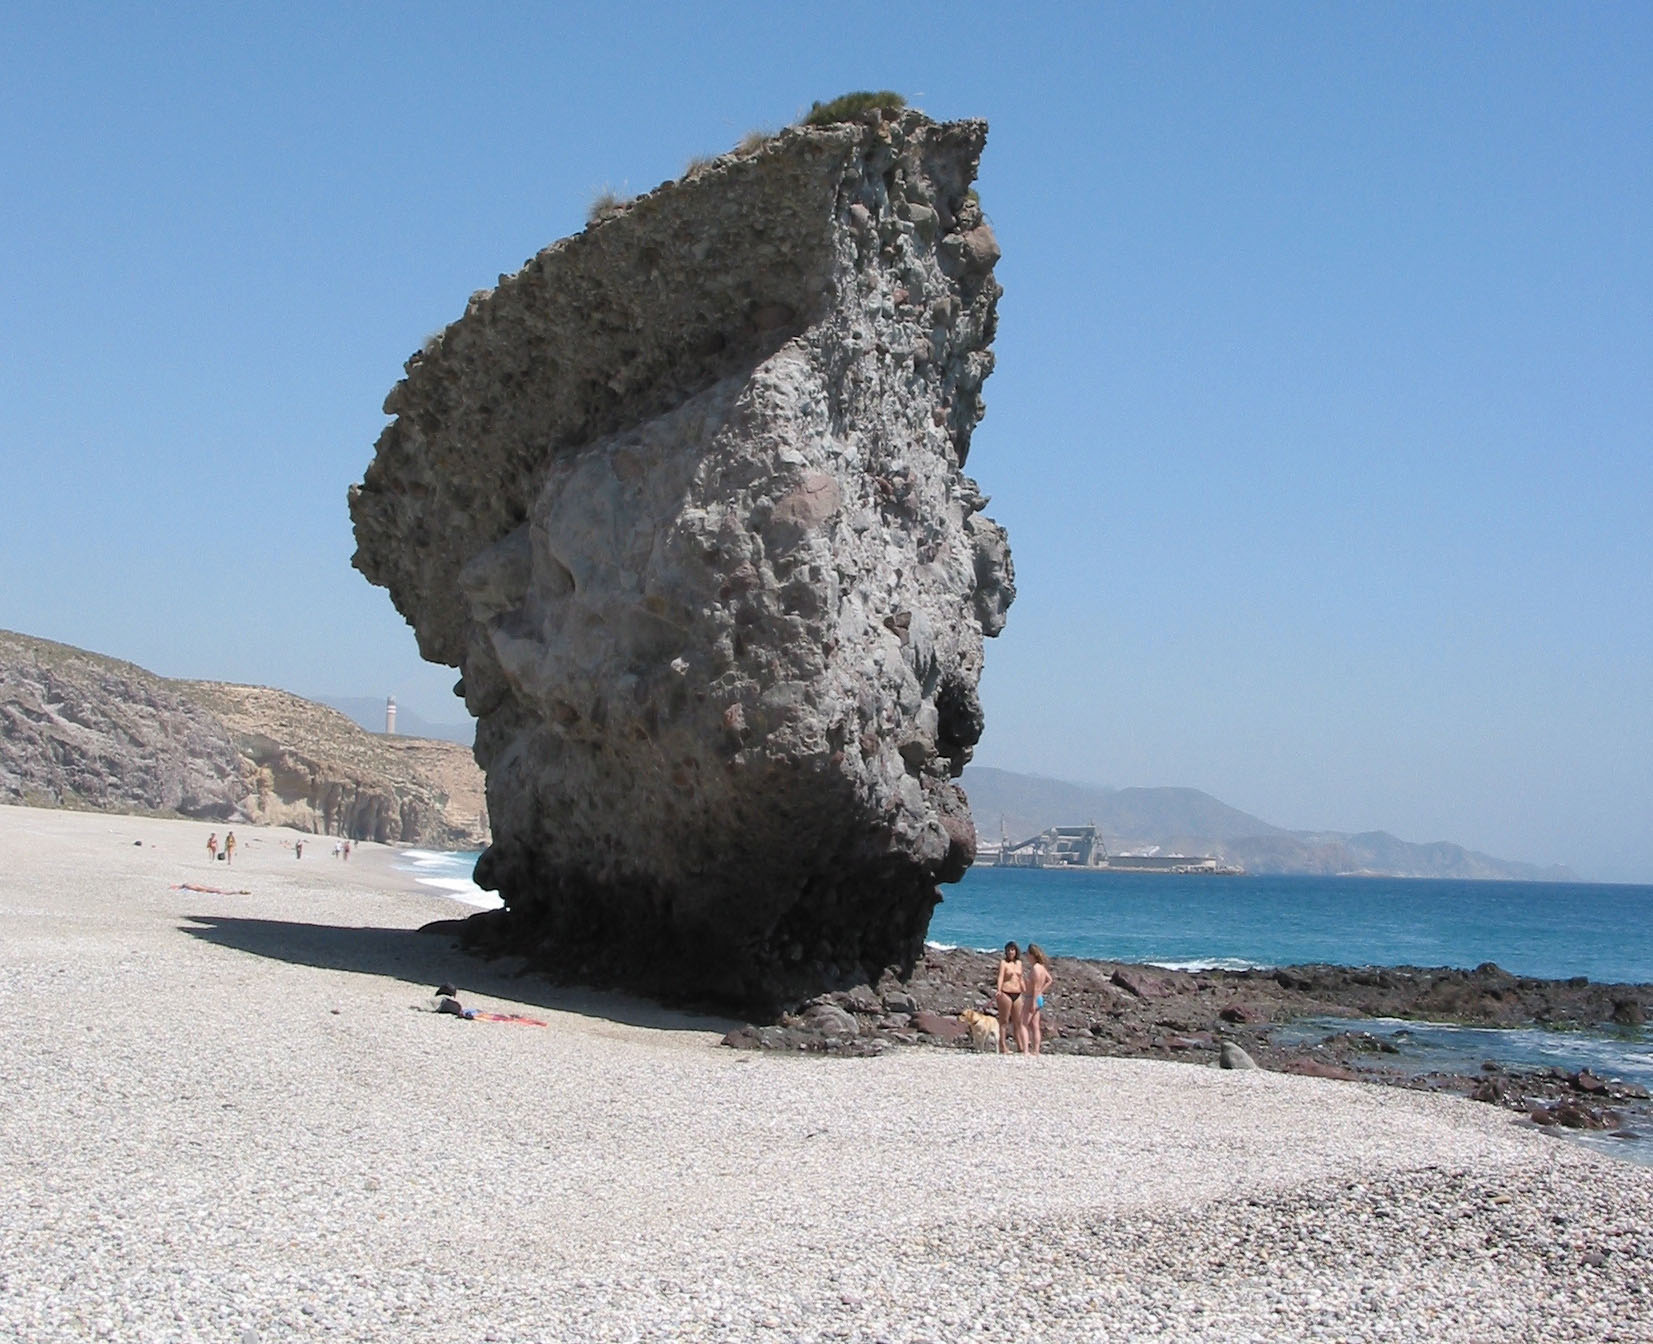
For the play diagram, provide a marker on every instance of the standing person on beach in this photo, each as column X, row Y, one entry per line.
column 229, row 846
column 1005, row 994
column 212, row 846
column 1040, row 978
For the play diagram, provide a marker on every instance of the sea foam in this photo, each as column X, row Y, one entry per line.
column 449, row 872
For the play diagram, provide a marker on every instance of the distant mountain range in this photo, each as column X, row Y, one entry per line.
column 1187, row 821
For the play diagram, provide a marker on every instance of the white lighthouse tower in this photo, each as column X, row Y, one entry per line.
column 390, row 716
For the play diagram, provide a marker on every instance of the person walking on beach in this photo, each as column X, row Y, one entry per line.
column 229, row 846
column 1040, row 980
column 1005, row 995
column 347, row 851
column 298, row 849
column 212, row 846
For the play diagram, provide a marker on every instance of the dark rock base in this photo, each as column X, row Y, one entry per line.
column 629, row 939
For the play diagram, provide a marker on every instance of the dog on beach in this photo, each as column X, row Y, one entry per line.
column 984, row 1029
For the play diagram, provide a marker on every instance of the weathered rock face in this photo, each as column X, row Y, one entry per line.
column 78, row 729
column 683, row 499
column 308, row 766
column 81, row 730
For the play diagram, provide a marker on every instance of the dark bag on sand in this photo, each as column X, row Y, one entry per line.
column 222, row 857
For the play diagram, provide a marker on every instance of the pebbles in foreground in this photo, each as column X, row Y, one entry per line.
column 224, row 1119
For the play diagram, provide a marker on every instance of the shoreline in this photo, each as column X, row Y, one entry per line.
column 1150, row 1010
column 1137, row 1011
column 1263, row 1009
column 235, row 1116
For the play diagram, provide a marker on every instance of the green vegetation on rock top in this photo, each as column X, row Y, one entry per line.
column 852, row 106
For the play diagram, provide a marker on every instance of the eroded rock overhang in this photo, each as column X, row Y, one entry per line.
column 684, row 501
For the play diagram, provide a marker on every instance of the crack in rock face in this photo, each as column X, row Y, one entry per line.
column 683, row 499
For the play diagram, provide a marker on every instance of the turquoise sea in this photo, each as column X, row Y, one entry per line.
column 1554, row 930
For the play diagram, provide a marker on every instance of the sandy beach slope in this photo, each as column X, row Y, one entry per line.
column 232, row 1117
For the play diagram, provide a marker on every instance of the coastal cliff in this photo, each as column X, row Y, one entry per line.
column 309, row 767
column 81, row 730
column 683, row 499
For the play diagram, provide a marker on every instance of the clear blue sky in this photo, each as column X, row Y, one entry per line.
column 1325, row 367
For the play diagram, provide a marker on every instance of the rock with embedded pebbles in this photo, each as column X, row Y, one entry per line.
column 684, row 500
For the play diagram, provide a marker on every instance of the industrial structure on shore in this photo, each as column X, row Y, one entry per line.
column 1082, row 847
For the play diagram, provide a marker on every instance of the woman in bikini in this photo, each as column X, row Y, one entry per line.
column 1040, row 980
column 1005, row 995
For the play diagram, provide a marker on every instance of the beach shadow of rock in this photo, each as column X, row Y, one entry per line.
column 424, row 962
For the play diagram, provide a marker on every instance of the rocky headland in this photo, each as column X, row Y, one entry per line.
column 82, row 730
column 684, row 501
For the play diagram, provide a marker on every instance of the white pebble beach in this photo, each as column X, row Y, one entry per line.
column 235, row 1117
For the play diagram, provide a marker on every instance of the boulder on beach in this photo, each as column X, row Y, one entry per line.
column 683, row 498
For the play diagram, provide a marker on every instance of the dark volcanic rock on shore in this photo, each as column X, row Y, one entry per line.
column 1100, row 1007
column 683, row 498
column 1106, row 1008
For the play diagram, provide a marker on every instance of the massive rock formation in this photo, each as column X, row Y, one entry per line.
column 683, row 499
column 78, row 729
